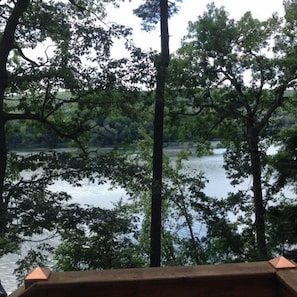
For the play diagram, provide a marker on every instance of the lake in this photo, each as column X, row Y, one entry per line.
column 101, row 195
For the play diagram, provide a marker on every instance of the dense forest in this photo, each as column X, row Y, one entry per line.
column 232, row 80
column 119, row 131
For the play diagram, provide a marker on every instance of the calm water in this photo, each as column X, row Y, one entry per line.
column 102, row 196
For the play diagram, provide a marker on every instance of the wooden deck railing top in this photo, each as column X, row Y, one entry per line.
column 276, row 278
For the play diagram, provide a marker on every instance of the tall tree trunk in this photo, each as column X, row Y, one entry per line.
column 253, row 143
column 156, row 209
column 6, row 45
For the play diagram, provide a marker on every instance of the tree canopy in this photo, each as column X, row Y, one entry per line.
column 61, row 80
column 232, row 80
column 234, row 74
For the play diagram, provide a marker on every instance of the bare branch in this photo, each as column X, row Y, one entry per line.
column 21, row 53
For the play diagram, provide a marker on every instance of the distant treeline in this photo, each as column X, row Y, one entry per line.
column 107, row 133
column 114, row 131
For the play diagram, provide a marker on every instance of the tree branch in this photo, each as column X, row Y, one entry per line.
column 61, row 133
column 21, row 53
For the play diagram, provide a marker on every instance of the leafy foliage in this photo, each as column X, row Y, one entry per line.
column 282, row 228
column 62, row 81
column 227, row 81
column 102, row 239
column 232, row 76
column 149, row 12
column 285, row 159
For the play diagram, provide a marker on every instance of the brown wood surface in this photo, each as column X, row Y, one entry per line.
column 207, row 288
column 226, row 280
column 237, row 270
column 287, row 280
column 264, row 287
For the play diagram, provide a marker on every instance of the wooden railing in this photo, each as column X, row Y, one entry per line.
column 276, row 278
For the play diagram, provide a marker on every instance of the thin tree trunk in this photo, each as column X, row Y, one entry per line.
column 156, row 209
column 185, row 213
column 6, row 45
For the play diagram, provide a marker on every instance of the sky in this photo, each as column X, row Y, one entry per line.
column 189, row 11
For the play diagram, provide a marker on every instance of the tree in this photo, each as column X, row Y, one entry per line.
column 151, row 12
column 101, row 239
column 191, row 221
column 61, row 80
column 282, row 228
column 162, row 63
column 55, row 221
column 284, row 160
column 235, row 74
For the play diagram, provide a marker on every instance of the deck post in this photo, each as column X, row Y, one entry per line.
column 37, row 274
column 282, row 263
